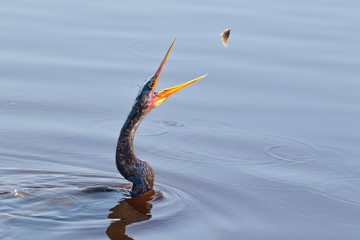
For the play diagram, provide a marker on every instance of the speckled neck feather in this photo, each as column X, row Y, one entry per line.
column 135, row 170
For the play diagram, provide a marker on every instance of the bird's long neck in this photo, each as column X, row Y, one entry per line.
column 125, row 156
column 137, row 171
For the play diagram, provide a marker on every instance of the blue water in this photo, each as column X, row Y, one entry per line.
column 264, row 147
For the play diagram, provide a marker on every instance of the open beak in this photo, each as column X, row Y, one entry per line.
column 161, row 96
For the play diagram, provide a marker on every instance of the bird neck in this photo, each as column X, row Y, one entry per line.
column 137, row 171
column 125, row 150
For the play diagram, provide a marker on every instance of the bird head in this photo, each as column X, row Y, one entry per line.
column 147, row 95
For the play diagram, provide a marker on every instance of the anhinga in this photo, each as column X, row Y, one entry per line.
column 138, row 171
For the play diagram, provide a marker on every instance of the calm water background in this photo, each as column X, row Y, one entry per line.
column 265, row 147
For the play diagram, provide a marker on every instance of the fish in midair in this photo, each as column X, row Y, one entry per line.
column 225, row 35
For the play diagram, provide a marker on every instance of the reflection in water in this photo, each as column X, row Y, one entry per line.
column 131, row 210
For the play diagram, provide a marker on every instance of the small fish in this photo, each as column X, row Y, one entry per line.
column 225, row 35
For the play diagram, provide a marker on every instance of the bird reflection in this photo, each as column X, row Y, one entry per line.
column 128, row 211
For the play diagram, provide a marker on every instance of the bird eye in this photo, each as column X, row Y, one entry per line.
column 151, row 84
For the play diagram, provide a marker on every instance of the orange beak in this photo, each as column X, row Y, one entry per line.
column 161, row 96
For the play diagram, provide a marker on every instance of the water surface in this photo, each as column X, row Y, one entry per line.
column 265, row 147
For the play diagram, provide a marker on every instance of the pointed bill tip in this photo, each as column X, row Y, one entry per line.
column 157, row 74
column 164, row 94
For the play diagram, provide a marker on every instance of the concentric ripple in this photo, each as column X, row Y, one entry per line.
column 64, row 197
column 234, row 147
column 171, row 201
